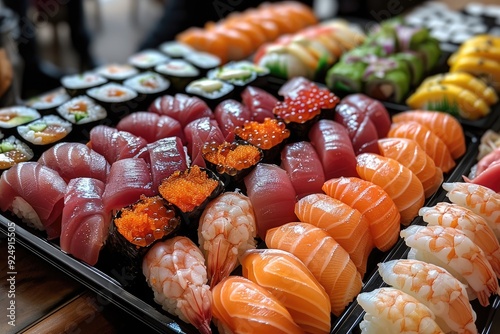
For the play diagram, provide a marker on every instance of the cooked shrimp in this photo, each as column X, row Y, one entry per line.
column 483, row 201
column 472, row 224
column 434, row 287
column 390, row 310
column 227, row 229
column 454, row 251
column 175, row 270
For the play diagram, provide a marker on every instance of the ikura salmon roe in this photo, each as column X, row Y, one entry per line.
column 264, row 135
column 305, row 104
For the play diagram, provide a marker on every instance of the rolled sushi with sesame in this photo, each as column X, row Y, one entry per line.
column 147, row 59
column 83, row 112
column 118, row 100
column 13, row 151
column 78, row 84
column 45, row 132
column 204, row 61
column 179, row 72
column 12, row 117
column 117, row 72
column 48, row 102
column 149, row 85
column 175, row 49
column 212, row 91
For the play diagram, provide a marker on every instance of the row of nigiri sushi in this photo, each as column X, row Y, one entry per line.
column 485, row 171
column 456, row 253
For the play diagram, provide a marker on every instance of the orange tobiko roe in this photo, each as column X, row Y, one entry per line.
column 231, row 157
column 188, row 189
column 264, row 135
column 146, row 221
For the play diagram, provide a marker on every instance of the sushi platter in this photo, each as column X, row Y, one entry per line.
column 180, row 131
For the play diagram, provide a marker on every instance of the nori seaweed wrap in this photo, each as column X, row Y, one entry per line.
column 387, row 80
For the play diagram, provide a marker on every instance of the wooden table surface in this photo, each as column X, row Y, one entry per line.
column 49, row 301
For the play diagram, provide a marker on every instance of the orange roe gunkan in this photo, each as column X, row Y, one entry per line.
column 265, row 135
column 231, row 158
column 188, row 189
column 146, row 221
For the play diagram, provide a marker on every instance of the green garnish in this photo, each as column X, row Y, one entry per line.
column 444, row 105
column 37, row 126
column 6, row 147
column 79, row 115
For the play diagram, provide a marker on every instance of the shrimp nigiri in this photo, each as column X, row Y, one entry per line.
column 175, row 270
column 434, row 287
column 288, row 278
column 454, row 251
column 399, row 182
column 226, row 230
column 343, row 223
column 323, row 256
column 242, row 306
column 390, row 310
column 472, row 224
column 373, row 203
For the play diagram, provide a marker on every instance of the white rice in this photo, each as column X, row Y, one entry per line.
column 138, row 83
column 93, row 112
column 26, row 213
column 83, row 80
column 28, row 133
column 175, row 49
column 19, row 146
column 203, row 59
column 147, row 59
column 49, row 100
column 117, row 71
column 177, row 68
column 209, row 88
column 23, row 115
column 105, row 93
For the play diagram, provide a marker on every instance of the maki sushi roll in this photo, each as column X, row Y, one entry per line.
column 147, row 59
column 149, row 85
column 117, row 72
column 117, row 99
column 48, row 102
column 11, row 117
column 238, row 77
column 262, row 73
column 231, row 161
column 45, row 132
column 346, row 78
column 135, row 229
column 387, row 80
column 212, row 91
column 13, row 151
column 270, row 136
column 190, row 191
column 78, row 84
column 415, row 63
column 203, row 61
column 179, row 72
column 175, row 49
column 82, row 112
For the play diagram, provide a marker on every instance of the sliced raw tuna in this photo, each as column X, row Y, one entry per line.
column 272, row 195
column 230, row 114
column 72, row 160
column 85, row 224
column 199, row 132
column 259, row 102
column 375, row 110
column 181, row 107
column 166, row 156
column 128, row 179
column 362, row 131
column 151, row 126
column 34, row 193
column 490, row 177
column 292, row 86
column 115, row 145
column 333, row 145
column 304, row 168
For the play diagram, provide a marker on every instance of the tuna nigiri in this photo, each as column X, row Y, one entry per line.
column 197, row 133
column 399, row 182
column 376, row 206
column 374, row 109
column 181, row 107
column 323, row 256
column 288, row 278
column 343, row 223
column 151, row 126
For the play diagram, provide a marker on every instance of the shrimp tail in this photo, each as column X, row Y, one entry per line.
column 221, row 260
column 196, row 306
column 494, row 260
column 483, row 297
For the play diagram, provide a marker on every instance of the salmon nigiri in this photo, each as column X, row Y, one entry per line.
column 242, row 306
column 426, row 138
column 288, row 278
column 373, row 203
column 343, row 223
column 323, row 256
column 399, row 182
column 411, row 155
